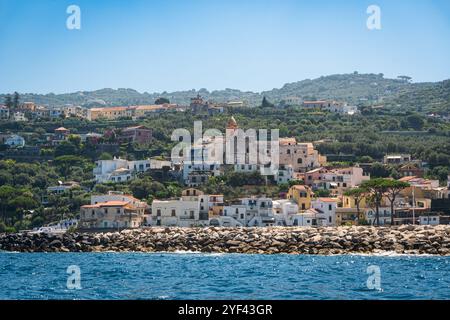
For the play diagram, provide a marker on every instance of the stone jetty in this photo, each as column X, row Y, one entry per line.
column 405, row 239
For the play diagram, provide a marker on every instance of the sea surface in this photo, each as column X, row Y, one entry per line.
column 221, row 276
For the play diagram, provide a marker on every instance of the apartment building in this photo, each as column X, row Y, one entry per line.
column 336, row 179
column 300, row 156
column 136, row 134
column 113, row 211
column 183, row 212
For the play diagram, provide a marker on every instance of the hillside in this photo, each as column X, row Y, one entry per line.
column 354, row 88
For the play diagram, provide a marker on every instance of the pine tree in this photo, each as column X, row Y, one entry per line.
column 266, row 103
column 16, row 100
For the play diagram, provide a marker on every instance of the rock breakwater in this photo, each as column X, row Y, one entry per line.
column 406, row 239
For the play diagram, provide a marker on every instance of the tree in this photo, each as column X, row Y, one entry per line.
column 65, row 163
column 105, row 156
column 377, row 188
column 404, row 78
column 415, row 121
column 8, row 102
column 16, row 100
column 266, row 104
column 358, row 194
column 393, row 188
column 162, row 100
column 6, row 194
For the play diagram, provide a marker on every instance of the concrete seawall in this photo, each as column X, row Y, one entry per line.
column 405, row 239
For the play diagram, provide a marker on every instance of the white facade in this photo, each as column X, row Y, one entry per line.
column 304, row 219
column 326, row 208
column 62, row 187
column 384, row 215
column 118, row 170
column 284, row 211
column 4, row 113
column 19, row 116
column 429, row 220
column 345, row 177
column 180, row 213
column 15, row 141
column 191, row 167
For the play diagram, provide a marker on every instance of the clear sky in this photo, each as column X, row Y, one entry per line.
column 168, row 45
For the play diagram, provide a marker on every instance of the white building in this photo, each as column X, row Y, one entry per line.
column 183, row 212
column 339, row 179
column 261, row 211
column 341, row 108
column 62, row 187
column 284, row 211
column 307, row 218
column 384, row 215
column 14, row 141
column 19, row 116
column 429, row 220
column 118, row 170
column 4, row 113
column 284, row 174
column 251, row 212
column 326, row 208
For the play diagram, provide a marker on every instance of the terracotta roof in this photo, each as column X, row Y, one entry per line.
column 107, row 204
column 328, row 199
column 300, row 187
column 315, row 102
column 109, row 109
column 151, row 107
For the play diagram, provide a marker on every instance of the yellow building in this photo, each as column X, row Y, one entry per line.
column 350, row 202
column 301, row 195
column 109, row 113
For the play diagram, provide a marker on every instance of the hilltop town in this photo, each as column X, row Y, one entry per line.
column 109, row 168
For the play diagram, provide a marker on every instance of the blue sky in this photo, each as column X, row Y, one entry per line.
column 156, row 45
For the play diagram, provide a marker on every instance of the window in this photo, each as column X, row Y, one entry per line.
column 288, row 151
column 329, row 207
column 158, row 212
column 173, row 213
column 299, row 160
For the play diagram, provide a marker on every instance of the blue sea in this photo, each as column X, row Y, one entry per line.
column 221, row 276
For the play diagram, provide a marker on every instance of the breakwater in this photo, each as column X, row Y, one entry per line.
column 406, row 239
